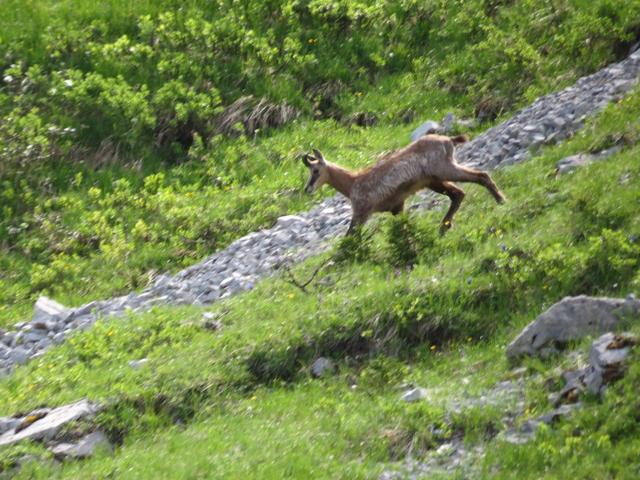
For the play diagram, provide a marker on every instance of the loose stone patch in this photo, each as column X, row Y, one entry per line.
column 237, row 268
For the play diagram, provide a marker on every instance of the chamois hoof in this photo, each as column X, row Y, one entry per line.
column 444, row 227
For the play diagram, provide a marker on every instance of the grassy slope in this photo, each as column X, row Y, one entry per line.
column 238, row 402
column 137, row 215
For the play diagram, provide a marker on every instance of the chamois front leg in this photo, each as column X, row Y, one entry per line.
column 358, row 219
column 466, row 174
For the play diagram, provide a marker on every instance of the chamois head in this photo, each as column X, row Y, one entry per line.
column 317, row 166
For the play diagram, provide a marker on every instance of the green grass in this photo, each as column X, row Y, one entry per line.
column 141, row 182
column 240, row 402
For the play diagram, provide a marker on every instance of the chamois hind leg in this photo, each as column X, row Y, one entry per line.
column 456, row 194
column 466, row 174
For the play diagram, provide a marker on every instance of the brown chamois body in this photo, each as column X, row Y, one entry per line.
column 426, row 163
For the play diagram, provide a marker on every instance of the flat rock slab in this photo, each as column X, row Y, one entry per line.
column 49, row 425
column 570, row 319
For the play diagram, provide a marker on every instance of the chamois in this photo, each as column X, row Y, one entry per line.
column 426, row 163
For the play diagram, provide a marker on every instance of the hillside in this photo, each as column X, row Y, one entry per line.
column 131, row 148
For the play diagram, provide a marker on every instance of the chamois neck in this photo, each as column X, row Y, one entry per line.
column 341, row 179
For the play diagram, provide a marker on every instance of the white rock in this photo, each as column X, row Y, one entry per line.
column 48, row 426
column 46, row 309
column 415, row 395
column 138, row 364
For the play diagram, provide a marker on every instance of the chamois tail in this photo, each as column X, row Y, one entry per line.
column 459, row 139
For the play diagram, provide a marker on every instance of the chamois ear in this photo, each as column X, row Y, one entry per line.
column 319, row 156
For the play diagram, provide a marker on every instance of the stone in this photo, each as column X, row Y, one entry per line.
column 322, row 367
column 570, row 319
column 414, row 395
column 138, row 364
column 33, row 336
column 289, row 221
column 83, row 448
column 430, row 126
column 8, row 423
column 58, row 338
column 19, row 356
column 448, row 122
column 572, row 162
column 46, row 309
column 607, row 360
column 47, row 427
column 8, row 338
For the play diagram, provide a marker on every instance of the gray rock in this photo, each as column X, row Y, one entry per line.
column 569, row 164
column 448, row 122
column 289, row 221
column 58, row 338
column 32, row 336
column 322, row 367
column 607, row 360
column 8, row 338
column 83, row 448
column 47, row 427
column 46, row 309
column 571, row 319
column 8, row 423
column 430, row 126
column 19, row 356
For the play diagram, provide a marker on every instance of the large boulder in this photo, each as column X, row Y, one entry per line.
column 570, row 319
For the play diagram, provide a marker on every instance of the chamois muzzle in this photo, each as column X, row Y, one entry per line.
column 317, row 166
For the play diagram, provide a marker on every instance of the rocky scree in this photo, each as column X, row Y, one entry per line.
column 237, row 268
column 608, row 358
